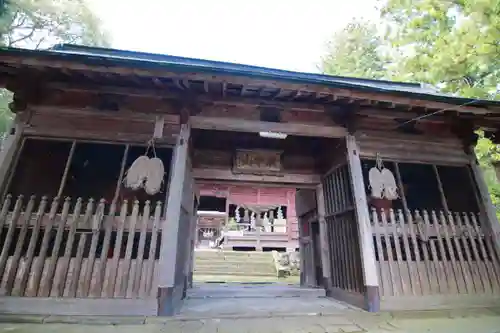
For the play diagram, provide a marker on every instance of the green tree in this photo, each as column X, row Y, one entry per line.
column 452, row 44
column 356, row 51
column 38, row 24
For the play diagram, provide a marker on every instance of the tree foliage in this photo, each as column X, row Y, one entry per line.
column 43, row 23
column 356, row 51
column 451, row 44
column 38, row 24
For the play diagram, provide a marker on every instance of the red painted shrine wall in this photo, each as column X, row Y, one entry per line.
column 239, row 195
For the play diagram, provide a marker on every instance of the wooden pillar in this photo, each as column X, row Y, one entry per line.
column 170, row 295
column 486, row 205
column 323, row 238
column 369, row 265
column 11, row 146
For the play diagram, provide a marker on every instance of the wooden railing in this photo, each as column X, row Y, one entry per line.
column 434, row 253
column 76, row 249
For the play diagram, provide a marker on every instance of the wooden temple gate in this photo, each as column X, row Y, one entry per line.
column 73, row 241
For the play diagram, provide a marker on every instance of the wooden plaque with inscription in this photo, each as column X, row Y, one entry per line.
column 257, row 162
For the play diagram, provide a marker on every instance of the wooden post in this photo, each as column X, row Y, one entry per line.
column 188, row 266
column 486, row 205
column 10, row 149
column 170, row 295
column 370, row 278
column 323, row 236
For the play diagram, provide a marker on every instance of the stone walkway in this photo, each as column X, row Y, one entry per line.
column 439, row 322
column 264, row 309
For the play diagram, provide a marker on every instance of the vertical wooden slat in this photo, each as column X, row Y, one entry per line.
column 96, row 228
column 477, row 285
column 128, row 252
column 399, row 258
column 152, row 250
column 475, row 239
column 122, row 172
column 337, row 183
column 117, row 249
column 35, row 231
column 441, row 190
column 421, row 271
column 9, row 236
column 492, row 266
column 4, row 212
column 40, row 260
column 49, row 279
column 10, row 158
column 61, row 283
column 103, row 259
column 384, row 281
column 78, row 262
column 437, row 285
column 19, row 246
column 66, row 169
column 457, row 271
column 449, row 280
column 469, row 284
column 389, row 253
column 140, row 251
column 427, row 263
column 412, row 281
column 401, row 193
column 474, row 259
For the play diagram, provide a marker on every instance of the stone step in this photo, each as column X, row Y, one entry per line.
column 233, row 263
column 246, row 270
column 230, row 271
column 229, row 290
column 236, row 260
column 214, row 279
column 213, row 254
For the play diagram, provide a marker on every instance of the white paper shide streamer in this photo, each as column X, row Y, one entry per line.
column 145, row 172
column 382, row 182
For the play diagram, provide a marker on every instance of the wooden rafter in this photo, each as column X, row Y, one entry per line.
column 156, row 93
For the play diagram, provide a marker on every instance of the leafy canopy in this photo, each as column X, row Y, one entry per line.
column 452, row 44
column 38, row 24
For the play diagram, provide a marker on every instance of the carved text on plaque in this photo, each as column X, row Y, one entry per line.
column 257, row 161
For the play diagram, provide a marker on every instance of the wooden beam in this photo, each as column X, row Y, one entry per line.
column 250, row 126
column 488, row 211
column 241, row 80
column 167, row 297
column 370, row 276
column 324, row 240
column 287, row 178
column 54, row 110
column 12, row 145
column 165, row 94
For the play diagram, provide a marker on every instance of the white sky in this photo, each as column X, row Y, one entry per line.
column 285, row 34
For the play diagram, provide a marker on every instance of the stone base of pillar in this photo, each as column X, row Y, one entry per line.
column 170, row 301
column 372, row 299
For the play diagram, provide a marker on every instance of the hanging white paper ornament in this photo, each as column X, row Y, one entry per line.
column 390, row 187
column 382, row 182
column 154, row 177
column 137, row 173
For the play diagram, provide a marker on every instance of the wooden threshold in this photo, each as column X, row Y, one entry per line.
column 435, row 302
column 78, row 306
